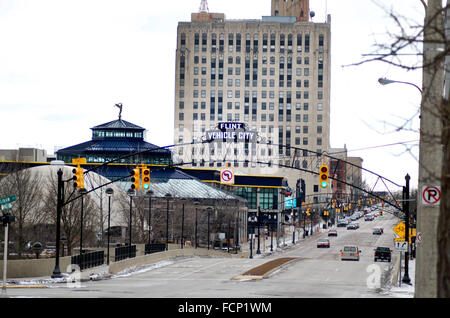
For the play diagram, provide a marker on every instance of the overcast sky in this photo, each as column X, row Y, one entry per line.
column 64, row 64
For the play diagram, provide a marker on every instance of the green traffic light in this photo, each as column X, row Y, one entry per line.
column 324, row 184
column 146, row 186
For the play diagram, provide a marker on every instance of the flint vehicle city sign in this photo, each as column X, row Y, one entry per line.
column 231, row 132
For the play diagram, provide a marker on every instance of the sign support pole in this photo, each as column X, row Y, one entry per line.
column 5, row 260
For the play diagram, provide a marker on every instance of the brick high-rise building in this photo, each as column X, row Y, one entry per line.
column 271, row 74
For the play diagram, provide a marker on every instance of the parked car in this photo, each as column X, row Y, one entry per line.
column 332, row 233
column 382, row 253
column 350, row 252
column 323, row 243
column 377, row 230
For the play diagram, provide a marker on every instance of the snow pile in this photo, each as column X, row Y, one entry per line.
column 142, row 269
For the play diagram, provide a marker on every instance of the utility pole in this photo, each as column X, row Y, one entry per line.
column 430, row 150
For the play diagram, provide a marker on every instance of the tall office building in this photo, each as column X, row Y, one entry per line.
column 255, row 88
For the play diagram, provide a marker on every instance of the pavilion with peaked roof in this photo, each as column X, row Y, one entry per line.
column 116, row 139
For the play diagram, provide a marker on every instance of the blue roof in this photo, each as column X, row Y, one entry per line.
column 118, row 124
column 111, row 146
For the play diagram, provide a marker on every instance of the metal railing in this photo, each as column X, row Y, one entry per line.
column 89, row 259
column 123, row 252
column 154, row 248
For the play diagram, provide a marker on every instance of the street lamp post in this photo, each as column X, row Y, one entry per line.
column 196, row 203
column 149, row 193
column 209, row 209
column 59, row 204
column 109, row 192
column 258, row 251
column 182, row 225
column 131, row 194
column 168, row 196
column 81, row 191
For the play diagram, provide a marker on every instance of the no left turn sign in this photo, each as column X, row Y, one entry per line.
column 227, row 176
column 431, row 195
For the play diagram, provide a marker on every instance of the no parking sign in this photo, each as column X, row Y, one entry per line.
column 431, row 195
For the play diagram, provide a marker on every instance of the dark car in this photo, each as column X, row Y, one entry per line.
column 332, row 233
column 377, row 230
column 352, row 226
column 382, row 253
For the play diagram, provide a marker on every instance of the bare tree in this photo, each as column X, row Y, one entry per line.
column 27, row 187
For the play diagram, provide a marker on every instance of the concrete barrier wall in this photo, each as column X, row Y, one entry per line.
column 33, row 267
column 117, row 267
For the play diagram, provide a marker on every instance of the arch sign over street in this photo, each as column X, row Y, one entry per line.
column 431, row 195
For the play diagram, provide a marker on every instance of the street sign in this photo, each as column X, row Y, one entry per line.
column 290, row 202
column 401, row 246
column 9, row 199
column 226, row 176
column 6, row 206
column 431, row 195
column 419, row 237
column 399, row 229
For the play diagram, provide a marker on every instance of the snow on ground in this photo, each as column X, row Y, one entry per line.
column 403, row 290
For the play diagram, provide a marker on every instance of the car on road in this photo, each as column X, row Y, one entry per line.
column 332, row 233
column 350, row 252
column 342, row 223
column 382, row 253
column 352, row 226
column 323, row 243
column 368, row 217
column 377, row 230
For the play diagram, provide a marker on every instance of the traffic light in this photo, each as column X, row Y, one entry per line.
column 323, row 176
column 135, row 179
column 145, row 178
column 78, row 177
column 7, row 219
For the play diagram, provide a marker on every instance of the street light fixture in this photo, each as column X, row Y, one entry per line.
column 109, row 192
column 385, row 81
